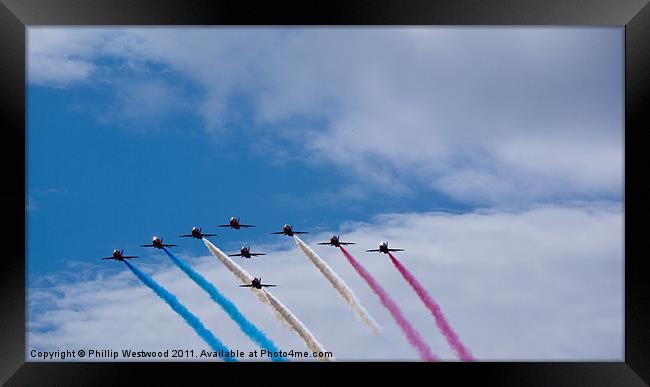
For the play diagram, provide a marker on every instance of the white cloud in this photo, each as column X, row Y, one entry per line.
column 59, row 71
column 540, row 284
column 31, row 204
column 34, row 196
column 143, row 105
column 485, row 115
column 58, row 57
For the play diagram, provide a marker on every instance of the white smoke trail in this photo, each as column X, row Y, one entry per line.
column 281, row 312
column 339, row 285
column 244, row 277
column 303, row 332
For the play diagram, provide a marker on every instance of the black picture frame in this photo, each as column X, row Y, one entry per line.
column 17, row 15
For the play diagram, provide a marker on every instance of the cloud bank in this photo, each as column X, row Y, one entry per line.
column 483, row 115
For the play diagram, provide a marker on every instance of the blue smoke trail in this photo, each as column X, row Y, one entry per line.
column 246, row 326
column 191, row 319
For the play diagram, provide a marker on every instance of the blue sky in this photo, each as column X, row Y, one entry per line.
column 134, row 132
column 96, row 187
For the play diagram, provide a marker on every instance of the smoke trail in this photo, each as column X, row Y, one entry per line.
column 191, row 319
column 243, row 276
column 281, row 312
column 297, row 325
column 246, row 326
column 451, row 336
column 338, row 284
column 411, row 334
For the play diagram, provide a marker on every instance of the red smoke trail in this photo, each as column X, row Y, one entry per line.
column 451, row 336
column 411, row 334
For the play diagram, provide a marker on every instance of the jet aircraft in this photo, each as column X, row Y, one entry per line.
column 196, row 233
column 383, row 248
column 334, row 241
column 234, row 223
column 245, row 252
column 157, row 242
column 256, row 283
column 118, row 255
column 288, row 230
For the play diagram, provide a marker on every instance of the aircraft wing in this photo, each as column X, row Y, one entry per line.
column 267, row 286
column 301, row 232
column 246, row 286
column 129, row 256
column 373, row 250
column 395, row 249
column 347, row 243
column 256, row 254
column 324, row 243
column 168, row 245
column 109, row 258
column 246, row 225
column 235, row 255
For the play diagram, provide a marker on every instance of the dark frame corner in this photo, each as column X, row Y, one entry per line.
column 17, row 15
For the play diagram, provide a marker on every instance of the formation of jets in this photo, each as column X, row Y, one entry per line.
column 157, row 242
